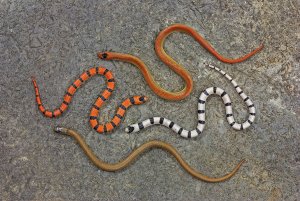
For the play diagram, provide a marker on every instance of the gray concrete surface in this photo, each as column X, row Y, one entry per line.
column 57, row 40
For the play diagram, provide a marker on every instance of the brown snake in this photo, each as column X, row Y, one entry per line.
column 111, row 167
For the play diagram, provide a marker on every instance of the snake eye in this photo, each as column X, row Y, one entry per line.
column 104, row 55
column 142, row 98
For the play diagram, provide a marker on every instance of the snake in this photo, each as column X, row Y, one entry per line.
column 110, row 82
column 112, row 167
column 201, row 111
column 171, row 63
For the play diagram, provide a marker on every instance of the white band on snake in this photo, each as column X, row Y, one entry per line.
column 201, row 112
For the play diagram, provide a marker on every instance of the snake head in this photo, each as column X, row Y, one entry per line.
column 103, row 55
column 140, row 99
column 143, row 98
column 129, row 129
column 59, row 129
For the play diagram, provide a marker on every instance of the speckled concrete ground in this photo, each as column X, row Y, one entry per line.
column 56, row 41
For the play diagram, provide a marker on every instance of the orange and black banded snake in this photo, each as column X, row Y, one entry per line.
column 177, row 68
column 112, row 167
column 100, row 128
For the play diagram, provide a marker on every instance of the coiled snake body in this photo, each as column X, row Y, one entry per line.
column 177, row 68
column 100, row 128
column 134, row 154
column 201, row 112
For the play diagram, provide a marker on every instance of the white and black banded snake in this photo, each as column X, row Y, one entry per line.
column 201, row 112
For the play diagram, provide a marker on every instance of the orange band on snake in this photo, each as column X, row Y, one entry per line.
column 177, row 68
column 100, row 128
column 141, row 149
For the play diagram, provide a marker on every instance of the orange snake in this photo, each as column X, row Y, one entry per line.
column 141, row 149
column 177, row 68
